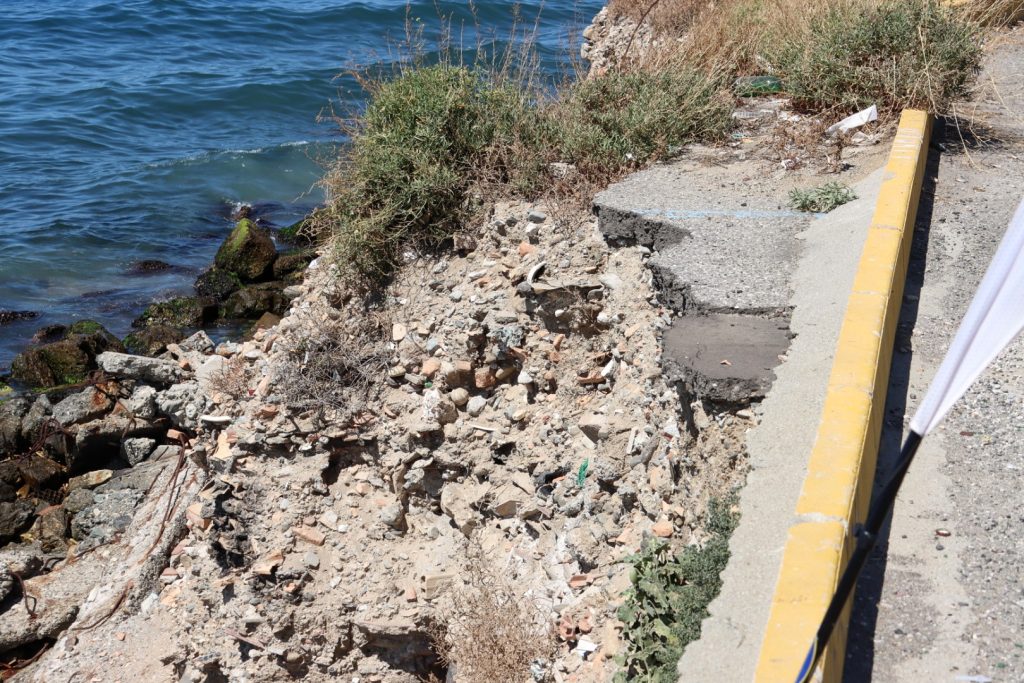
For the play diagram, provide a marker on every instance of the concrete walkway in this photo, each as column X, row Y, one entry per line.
column 727, row 244
column 943, row 597
column 780, row 445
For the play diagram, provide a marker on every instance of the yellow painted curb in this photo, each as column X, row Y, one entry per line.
column 837, row 489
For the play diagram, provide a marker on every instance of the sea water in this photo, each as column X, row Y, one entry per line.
column 132, row 130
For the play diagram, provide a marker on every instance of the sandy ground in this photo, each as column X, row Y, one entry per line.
column 943, row 598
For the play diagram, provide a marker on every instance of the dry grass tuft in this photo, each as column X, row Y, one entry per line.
column 993, row 13
column 234, row 380
column 490, row 631
column 334, row 368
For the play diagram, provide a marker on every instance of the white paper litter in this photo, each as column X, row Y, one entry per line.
column 854, row 121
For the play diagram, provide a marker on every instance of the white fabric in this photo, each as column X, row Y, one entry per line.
column 994, row 318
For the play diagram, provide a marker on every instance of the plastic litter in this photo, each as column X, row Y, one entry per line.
column 854, row 121
column 750, row 86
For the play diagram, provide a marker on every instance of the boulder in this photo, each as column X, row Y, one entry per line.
column 152, row 340
column 184, row 311
column 140, row 367
column 12, row 413
column 248, row 252
column 15, row 517
column 149, row 267
column 88, row 404
column 292, row 263
column 217, row 283
column 66, row 361
column 254, row 300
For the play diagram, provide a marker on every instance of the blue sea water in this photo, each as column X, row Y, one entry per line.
column 131, row 129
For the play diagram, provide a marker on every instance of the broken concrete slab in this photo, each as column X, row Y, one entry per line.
column 726, row 358
column 720, row 248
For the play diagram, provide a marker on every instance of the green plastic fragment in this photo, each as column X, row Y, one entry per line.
column 751, row 86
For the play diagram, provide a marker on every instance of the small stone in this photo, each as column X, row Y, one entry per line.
column 455, row 295
column 663, row 528
column 484, row 378
column 137, row 449
column 459, row 396
column 610, row 281
column 476, row 405
column 398, row 332
column 536, row 217
column 504, row 373
column 524, row 378
column 310, row 534
column 90, row 480
column 396, row 372
column 594, row 426
column 430, row 367
column 311, row 559
column 393, row 515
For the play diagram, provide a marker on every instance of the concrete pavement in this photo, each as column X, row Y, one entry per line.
column 943, row 597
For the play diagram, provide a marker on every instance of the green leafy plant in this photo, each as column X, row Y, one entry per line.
column 821, row 199
column 668, row 601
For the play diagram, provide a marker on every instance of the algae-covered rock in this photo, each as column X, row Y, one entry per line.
column 65, row 361
column 217, row 283
column 300, row 232
column 248, row 251
column 185, row 311
column 292, row 263
column 152, row 340
column 255, row 300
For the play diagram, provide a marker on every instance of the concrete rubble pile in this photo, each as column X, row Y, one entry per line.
column 512, row 408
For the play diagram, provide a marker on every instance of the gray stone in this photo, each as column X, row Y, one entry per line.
column 138, row 449
column 142, row 402
column 476, row 405
column 140, row 367
column 536, row 217
column 199, row 342
column 86, row 405
column 182, row 403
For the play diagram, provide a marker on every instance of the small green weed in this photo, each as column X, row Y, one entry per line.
column 664, row 609
column 821, row 199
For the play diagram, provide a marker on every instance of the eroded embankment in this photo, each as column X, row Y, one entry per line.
column 495, row 436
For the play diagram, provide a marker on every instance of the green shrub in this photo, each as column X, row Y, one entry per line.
column 437, row 141
column 821, row 199
column 624, row 120
column 894, row 53
column 421, row 144
column 664, row 609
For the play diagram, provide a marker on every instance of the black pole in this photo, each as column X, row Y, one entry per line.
column 867, row 536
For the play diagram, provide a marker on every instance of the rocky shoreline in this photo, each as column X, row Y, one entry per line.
column 76, row 408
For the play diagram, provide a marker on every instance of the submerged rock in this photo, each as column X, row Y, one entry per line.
column 248, row 251
column 67, row 361
column 7, row 317
column 148, row 267
column 185, row 311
